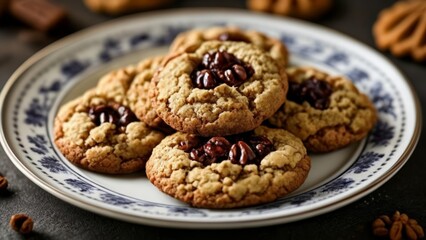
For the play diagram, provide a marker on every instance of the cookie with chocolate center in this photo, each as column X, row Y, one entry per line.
column 102, row 135
column 327, row 112
column 232, row 171
column 222, row 88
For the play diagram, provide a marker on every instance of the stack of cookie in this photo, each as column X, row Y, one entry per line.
column 228, row 123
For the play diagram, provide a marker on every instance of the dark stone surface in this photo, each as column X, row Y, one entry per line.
column 56, row 219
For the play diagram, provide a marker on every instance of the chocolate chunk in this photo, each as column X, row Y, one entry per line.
column 205, row 79
column 40, row 14
column 240, row 149
column 220, row 67
column 241, row 153
column 118, row 115
column 315, row 92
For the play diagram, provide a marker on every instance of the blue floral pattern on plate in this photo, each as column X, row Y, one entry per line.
column 34, row 106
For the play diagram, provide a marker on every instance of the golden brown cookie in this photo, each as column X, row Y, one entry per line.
column 228, row 172
column 326, row 112
column 138, row 94
column 221, row 88
column 191, row 40
column 306, row 9
column 114, row 7
column 402, row 29
column 101, row 135
column 130, row 85
column 115, row 84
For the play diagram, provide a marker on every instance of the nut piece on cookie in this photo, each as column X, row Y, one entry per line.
column 326, row 112
column 191, row 40
column 222, row 88
column 103, row 136
column 306, row 9
column 402, row 29
column 228, row 172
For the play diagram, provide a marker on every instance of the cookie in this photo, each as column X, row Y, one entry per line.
column 305, row 9
column 138, row 94
column 116, row 7
column 101, row 135
column 190, row 40
column 115, row 84
column 222, row 88
column 130, row 85
column 326, row 112
column 228, row 172
column 402, row 29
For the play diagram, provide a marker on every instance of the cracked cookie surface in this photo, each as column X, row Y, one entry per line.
column 138, row 94
column 225, row 184
column 348, row 117
column 103, row 145
column 190, row 40
column 130, row 86
column 224, row 109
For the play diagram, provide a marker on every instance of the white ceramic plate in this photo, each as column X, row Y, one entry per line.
column 68, row 67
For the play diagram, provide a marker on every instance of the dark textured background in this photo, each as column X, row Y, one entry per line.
column 55, row 219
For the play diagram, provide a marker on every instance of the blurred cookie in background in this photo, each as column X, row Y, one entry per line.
column 305, row 9
column 117, row 7
column 401, row 29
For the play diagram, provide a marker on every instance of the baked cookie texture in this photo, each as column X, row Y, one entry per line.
column 305, row 9
column 104, row 147
column 129, row 85
column 115, row 84
column 190, row 40
column 348, row 118
column 223, row 110
column 138, row 94
column 117, row 7
column 401, row 29
column 228, row 185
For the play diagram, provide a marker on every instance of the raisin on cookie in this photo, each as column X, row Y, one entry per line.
column 101, row 135
column 227, row 172
column 191, row 40
column 222, row 88
column 326, row 112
